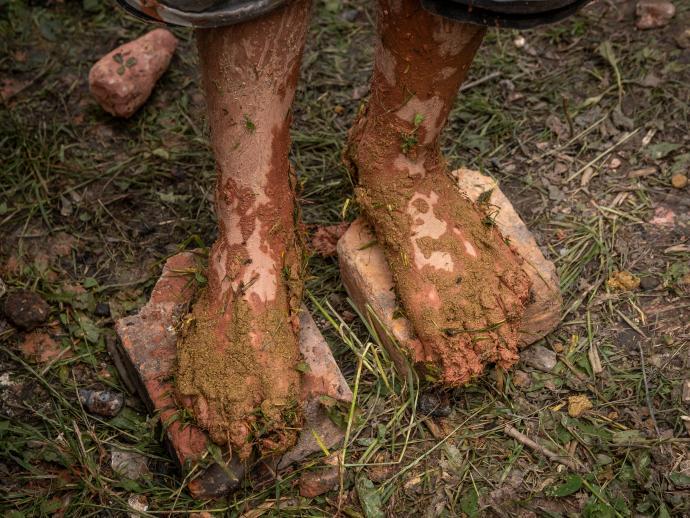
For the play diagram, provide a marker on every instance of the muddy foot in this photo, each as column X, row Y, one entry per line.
column 457, row 279
column 238, row 356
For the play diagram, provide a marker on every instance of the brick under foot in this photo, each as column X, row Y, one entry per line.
column 369, row 282
column 145, row 358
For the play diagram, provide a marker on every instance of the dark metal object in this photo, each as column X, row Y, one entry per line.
column 515, row 14
column 200, row 13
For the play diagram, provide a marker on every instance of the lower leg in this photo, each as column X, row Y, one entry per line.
column 238, row 355
column 458, row 281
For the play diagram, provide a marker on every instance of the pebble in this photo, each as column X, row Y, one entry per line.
column 139, row 504
column 26, row 309
column 318, row 482
column 539, row 357
column 106, row 403
column 129, row 464
column 679, row 181
column 649, row 283
column 521, row 379
column 433, row 404
column 123, row 79
column 652, row 14
column 102, row 309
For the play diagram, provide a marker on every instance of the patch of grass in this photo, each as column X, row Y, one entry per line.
column 132, row 192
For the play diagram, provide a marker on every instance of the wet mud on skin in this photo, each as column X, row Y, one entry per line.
column 458, row 281
column 239, row 351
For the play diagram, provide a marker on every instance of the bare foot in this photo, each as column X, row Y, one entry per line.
column 458, row 281
column 239, row 351
column 238, row 356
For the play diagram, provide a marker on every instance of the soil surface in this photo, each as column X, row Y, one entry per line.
column 584, row 123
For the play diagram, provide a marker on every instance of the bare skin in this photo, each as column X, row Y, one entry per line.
column 237, row 358
column 458, row 281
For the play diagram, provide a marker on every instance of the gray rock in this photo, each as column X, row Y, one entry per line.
column 539, row 357
column 649, row 283
column 102, row 402
column 129, row 464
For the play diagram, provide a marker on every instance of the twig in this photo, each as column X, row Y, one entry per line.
column 601, row 155
column 523, row 439
column 479, row 81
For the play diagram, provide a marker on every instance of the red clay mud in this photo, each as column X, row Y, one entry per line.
column 238, row 352
column 458, row 281
column 369, row 282
column 146, row 360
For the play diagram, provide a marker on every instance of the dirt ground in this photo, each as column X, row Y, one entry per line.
column 583, row 123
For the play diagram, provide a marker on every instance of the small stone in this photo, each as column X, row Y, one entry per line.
column 434, row 404
column 623, row 281
column 521, row 379
column 318, row 482
column 652, row 14
column 686, row 392
column 102, row 309
column 129, row 464
column 40, row 347
column 122, row 80
column 139, row 504
column 519, row 41
column 578, row 405
column 106, row 403
column 539, row 357
column 649, row 283
column 26, row 309
column 679, row 181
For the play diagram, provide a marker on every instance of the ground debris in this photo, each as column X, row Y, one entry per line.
column 41, row 348
column 539, row 357
column 325, row 238
column 130, row 464
column 652, row 14
column 578, row 405
column 649, row 283
column 623, row 281
column 679, row 181
column 139, row 504
column 434, row 404
column 686, row 392
column 521, row 379
column 26, row 309
column 106, row 403
column 321, row 480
